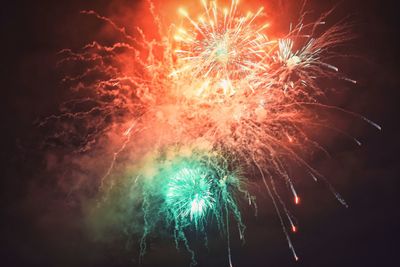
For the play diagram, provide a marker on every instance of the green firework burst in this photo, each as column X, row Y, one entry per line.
column 183, row 192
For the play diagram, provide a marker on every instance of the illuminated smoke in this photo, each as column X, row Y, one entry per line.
column 219, row 83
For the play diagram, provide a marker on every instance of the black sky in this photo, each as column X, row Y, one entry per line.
column 41, row 228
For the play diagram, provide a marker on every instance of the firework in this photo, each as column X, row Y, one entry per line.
column 221, row 50
column 221, row 84
column 187, row 188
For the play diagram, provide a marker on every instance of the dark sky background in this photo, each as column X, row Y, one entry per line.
column 41, row 228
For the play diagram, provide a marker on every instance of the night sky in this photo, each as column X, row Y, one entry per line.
column 44, row 226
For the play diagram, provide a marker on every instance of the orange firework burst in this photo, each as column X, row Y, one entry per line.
column 219, row 83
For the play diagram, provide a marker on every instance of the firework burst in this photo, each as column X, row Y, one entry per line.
column 187, row 188
column 219, row 84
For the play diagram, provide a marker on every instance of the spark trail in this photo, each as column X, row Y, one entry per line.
column 220, row 83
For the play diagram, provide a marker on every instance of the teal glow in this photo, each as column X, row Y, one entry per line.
column 189, row 194
column 184, row 194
